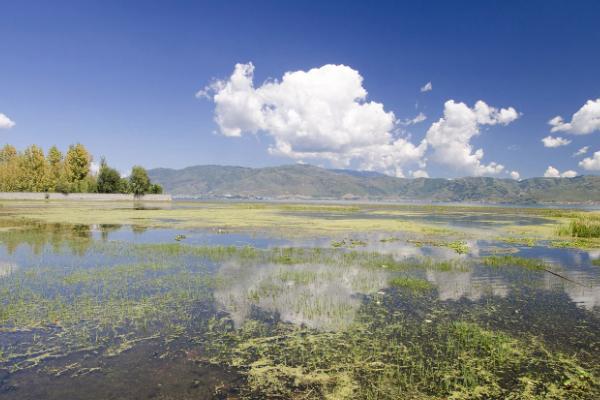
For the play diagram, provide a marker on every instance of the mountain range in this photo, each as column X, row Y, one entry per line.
column 311, row 182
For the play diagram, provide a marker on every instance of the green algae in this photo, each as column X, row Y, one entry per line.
column 514, row 261
column 402, row 359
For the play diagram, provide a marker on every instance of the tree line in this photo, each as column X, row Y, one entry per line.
column 34, row 171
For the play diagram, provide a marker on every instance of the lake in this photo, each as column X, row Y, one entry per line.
column 201, row 300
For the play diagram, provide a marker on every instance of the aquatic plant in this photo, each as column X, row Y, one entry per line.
column 401, row 358
column 459, row 246
column 514, row 261
column 584, row 227
column 414, row 285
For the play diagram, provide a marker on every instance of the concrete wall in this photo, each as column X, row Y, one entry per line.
column 83, row 196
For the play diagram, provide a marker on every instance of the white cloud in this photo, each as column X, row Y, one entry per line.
column 558, row 141
column 581, row 151
column 591, row 163
column 322, row 114
column 552, row 172
column 515, row 175
column 585, row 121
column 5, row 122
column 419, row 118
column 420, row 174
column 428, row 87
column 450, row 136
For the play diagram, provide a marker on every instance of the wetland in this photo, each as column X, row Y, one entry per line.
column 218, row 300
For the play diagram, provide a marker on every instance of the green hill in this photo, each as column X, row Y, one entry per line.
column 306, row 181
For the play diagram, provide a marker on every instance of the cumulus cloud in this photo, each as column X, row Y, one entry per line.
column 581, row 151
column 419, row 174
column 428, row 87
column 591, row 163
column 515, row 175
column 585, row 121
column 450, row 136
column 552, row 172
column 558, row 141
column 322, row 113
column 5, row 122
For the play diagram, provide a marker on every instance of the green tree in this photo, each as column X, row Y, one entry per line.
column 10, row 169
column 139, row 182
column 77, row 165
column 155, row 188
column 8, row 153
column 56, row 165
column 55, row 156
column 35, row 170
column 109, row 179
column 124, row 186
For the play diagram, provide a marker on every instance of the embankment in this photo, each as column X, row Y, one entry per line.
column 83, row 196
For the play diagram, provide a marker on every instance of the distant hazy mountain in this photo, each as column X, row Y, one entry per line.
column 306, row 181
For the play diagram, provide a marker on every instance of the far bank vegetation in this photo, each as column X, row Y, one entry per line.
column 32, row 170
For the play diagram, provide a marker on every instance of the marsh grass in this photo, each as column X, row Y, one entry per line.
column 157, row 289
column 414, row 285
column 514, row 261
column 584, row 226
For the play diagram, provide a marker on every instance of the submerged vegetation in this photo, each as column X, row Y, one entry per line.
column 390, row 355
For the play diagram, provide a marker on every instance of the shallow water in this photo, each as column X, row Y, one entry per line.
column 111, row 311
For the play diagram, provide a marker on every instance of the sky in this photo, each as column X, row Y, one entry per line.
column 441, row 89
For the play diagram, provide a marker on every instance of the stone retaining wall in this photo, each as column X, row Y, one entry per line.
column 83, row 196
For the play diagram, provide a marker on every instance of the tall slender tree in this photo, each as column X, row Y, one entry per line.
column 77, row 165
column 35, row 170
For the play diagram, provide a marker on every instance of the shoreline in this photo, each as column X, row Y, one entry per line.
column 41, row 196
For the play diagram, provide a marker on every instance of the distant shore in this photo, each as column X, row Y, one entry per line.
column 84, row 196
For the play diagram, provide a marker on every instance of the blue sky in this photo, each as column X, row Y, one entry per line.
column 121, row 77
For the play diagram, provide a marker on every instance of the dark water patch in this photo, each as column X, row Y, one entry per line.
column 150, row 370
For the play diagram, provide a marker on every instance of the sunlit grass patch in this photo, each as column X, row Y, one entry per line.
column 584, row 226
column 413, row 285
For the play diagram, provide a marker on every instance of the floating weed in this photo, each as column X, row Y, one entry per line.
column 348, row 243
column 524, row 241
column 458, row 246
column 513, row 261
column 389, row 240
column 580, row 243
